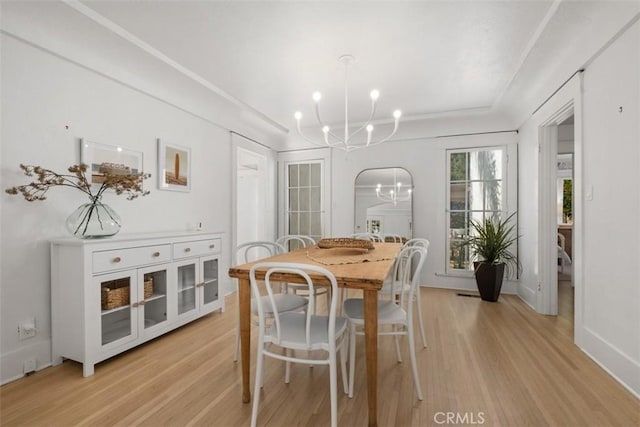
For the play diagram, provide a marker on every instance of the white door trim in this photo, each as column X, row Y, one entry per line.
column 567, row 101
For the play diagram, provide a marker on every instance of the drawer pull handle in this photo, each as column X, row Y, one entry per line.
column 156, row 254
column 211, row 246
column 117, row 259
column 187, row 249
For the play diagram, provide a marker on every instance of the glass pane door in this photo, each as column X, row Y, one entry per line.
column 304, row 199
column 117, row 322
column 154, row 300
column 187, row 287
column 210, row 280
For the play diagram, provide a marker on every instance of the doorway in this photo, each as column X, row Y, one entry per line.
column 251, row 176
column 564, row 220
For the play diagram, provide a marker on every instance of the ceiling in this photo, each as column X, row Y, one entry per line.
column 429, row 59
column 423, row 57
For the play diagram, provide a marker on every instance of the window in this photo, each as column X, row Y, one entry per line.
column 476, row 190
column 304, row 199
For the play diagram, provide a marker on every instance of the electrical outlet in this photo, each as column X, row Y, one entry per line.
column 27, row 328
column 29, row 365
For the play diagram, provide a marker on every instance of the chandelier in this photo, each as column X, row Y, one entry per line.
column 395, row 193
column 346, row 142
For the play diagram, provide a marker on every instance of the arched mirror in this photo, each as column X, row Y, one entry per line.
column 383, row 202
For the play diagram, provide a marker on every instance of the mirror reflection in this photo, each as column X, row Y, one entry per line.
column 383, row 202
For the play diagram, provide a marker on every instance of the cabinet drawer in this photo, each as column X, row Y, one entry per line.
column 130, row 257
column 196, row 248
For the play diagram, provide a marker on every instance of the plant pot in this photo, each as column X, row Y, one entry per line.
column 489, row 280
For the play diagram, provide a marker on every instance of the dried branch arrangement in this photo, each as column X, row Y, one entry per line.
column 131, row 185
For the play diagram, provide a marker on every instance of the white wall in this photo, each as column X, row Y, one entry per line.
column 611, row 312
column 63, row 78
column 426, row 162
column 608, row 296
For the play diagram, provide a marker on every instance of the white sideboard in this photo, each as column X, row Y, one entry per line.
column 109, row 295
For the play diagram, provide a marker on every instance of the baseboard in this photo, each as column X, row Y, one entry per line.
column 527, row 295
column 11, row 362
column 507, row 288
column 615, row 362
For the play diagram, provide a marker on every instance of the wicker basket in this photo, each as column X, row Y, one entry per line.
column 344, row 242
column 115, row 293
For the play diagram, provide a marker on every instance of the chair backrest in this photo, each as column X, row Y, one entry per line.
column 417, row 242
column 367, row 236
column 303, row 271
column 406, row 270
column 561, row 241
column 295, row 241
column 392, row 238
column 252, row 251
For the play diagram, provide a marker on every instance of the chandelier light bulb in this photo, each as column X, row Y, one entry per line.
column 369, row 128
column 399, row 184
column 317, row 96
column 325, row 129
column 374, row 94
column 397, row 114
column 298, row 115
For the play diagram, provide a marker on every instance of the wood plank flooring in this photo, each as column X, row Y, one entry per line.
column 492, row 363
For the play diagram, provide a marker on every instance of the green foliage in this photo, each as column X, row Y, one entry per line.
column 567, row 203
column 491, row 241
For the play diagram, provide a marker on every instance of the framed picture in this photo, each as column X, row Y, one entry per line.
column 174, row 167
column 104, row 159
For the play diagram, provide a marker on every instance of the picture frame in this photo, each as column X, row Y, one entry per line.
column 113, row 159
column 174, row 167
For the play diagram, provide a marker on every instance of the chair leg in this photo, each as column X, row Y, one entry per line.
column 414, row 363
column 333, row 386
column 327, row 296
column 287, row 369
column 352, row 358
column 343, row 361
column 397, row 343
column 256, row 388
column 421, row 324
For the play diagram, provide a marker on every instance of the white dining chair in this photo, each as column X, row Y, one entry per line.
column 392, row 238
column 405, row 287
column 296, row 241
column 295, row 331
column 563, row 257
column 396, row 313
column 252, row 251
column 367, row 236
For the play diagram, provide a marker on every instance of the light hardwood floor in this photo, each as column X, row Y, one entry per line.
column 494, row 362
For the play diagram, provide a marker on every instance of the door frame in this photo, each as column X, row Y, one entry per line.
column 239, row 142
column 567, row 101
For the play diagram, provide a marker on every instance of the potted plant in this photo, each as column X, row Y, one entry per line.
column 490, row 244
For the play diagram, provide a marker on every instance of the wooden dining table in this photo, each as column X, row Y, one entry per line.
column 367, row 276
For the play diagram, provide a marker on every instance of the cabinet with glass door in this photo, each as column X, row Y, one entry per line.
column 197, row 290
column 110, row 295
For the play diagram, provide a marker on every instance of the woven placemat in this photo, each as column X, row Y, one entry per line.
column 337, row 256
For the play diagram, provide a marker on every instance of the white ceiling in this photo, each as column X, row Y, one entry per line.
column 423, row 57
column 428, row 58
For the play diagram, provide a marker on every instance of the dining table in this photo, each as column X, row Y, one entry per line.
column 353, row 270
